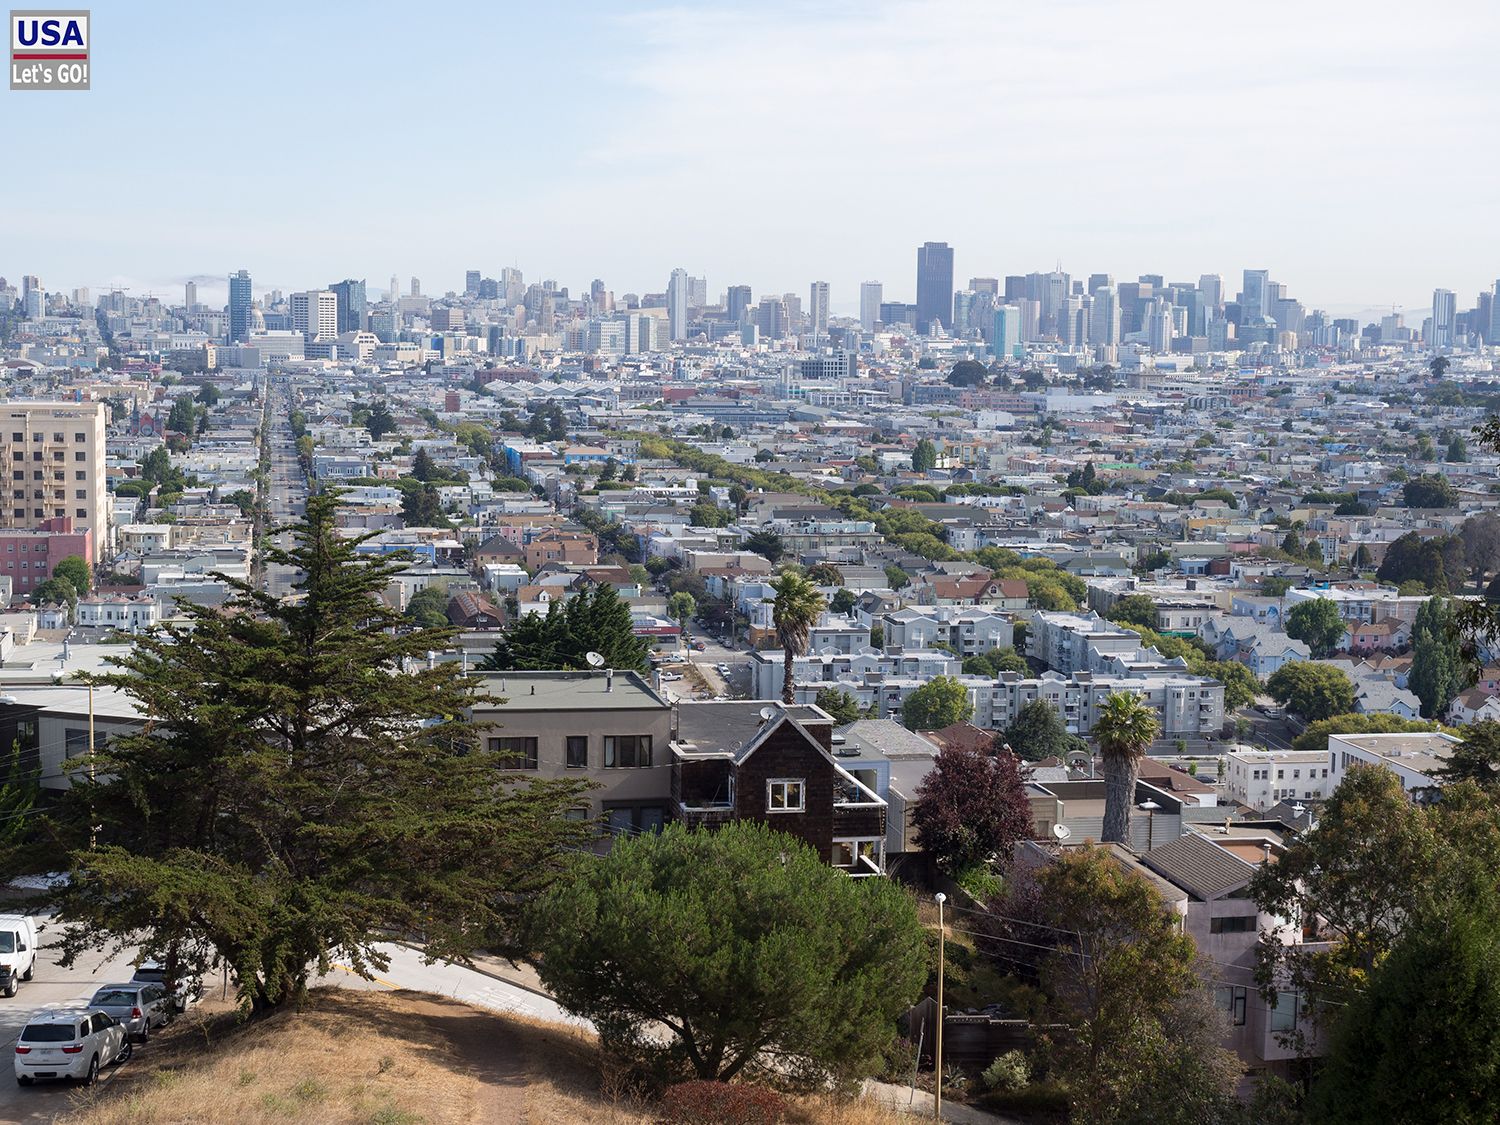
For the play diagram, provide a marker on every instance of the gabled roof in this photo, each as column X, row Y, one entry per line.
column 1199, row 866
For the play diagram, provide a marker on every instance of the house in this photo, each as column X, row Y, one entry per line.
column 1259, row 779
column 1474, row 706
column 1414, row 757
column 560, row 546
column 976, row 589
column 736, row 760
column 894, row 762
column 1381, row 697
column 1388, row 635
column 497, row 549
column 469, row 610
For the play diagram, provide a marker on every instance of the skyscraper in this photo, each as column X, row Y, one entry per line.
column 190, row 296
column 817, row 307
column 737, row 303
column 871, row 294
column 677, row 304
column 471, row 283
column 240, row 307
column 395, row 290
column 1007, row 338
column 1211, row 285
column 416, row 287
column 349, row 298
column 1104, row 317
column 1254, row 296
column 934, row 286
column 315, row 314
column 1444, row 312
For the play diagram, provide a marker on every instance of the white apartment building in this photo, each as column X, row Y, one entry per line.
column 968, row 630
column 55, row 455
column 1259, row 779
column 315, row 314
column 1413, row 757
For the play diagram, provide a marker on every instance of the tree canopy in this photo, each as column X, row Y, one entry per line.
column 1318, row 623
column 1438, row 562
column 971, row 805
column 940, row 702
column 1037, row 732
column 1429, row 491
column 1134, row 609
column 737, row 943
column 1314, row 691
column 842, row 706
column 77, row 571
column 596, row 620
column 1315, row 736
column 1437, row 672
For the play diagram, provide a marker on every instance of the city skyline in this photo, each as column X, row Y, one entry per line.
column 1021, row 175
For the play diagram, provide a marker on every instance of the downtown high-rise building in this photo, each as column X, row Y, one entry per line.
column 871, row 294
column 1255, row 297
column 1444, row 314
column 934, row 286
column 190, row 296
column 737, row 303
column 241, row 307
column 1006, row 343
column 678, row 292
column 351, row 307
column 1104, row 317
column 471, row 283
column 315, row 314
column 817, row 307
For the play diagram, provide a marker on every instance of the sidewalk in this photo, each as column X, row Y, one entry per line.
column 522, row 976
column 903, row 1100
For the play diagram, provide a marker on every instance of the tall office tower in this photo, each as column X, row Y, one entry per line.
column 30, row 284
column 1494, row 337
column 1159, row 326
column 871, row 294
column 241, row 307
column 471, row 283
column 817, row 307
column 315, row 314
column 1099, row 281
column 990, row 285
column 677, row 304
column 61, row 446
column 599, row 296
column 353, row 309
column 1104, row 317
column 1155, row 280
column 963, row 306
column 395, row 289
column 934, row 286
column 1072, row 322
column 1015, row 287
column 697, row 292
column 1007, row 333
column 1253, row 297
column 190, row 296
column 80, row 298
column 771, row 318
column 34, row 302
column 416, row 287
column 1289, row 314
column 1211, row 285
column 1444, row 312
column 737, row 303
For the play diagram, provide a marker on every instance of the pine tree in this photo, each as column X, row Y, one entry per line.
column 1437, row 669
column 304, row 786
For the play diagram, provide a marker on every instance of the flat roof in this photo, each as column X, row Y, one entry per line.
column 727, row 726
column 568, row 691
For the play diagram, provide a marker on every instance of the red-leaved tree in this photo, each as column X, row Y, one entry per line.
column 971, row 806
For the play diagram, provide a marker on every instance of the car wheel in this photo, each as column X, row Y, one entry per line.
column 11, row 987
column 93, row 1075
column 145, row 1033
column 126, row 1051
column 23, row 1080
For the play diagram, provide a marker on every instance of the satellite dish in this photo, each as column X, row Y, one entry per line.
column 1061, row 831
column 595, row 660
column 767, row 714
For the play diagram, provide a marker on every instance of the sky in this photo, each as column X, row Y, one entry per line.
column 1349, row 147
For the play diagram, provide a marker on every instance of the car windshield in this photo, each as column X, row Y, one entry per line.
column 113, row 998
column 7, row 941
column 48, row 1033
column 153, row 975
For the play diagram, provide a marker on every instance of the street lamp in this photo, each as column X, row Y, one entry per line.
column 1150, row 808
column 937, row 1068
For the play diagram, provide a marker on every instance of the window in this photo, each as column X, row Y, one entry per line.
column 634, row 820
column 1284, row 1011
column 79, row 456
column 57, row 437
column 578, row 752
column 1296, row 775
column 520, row 752
column 80, row 437
column 627, row 751
column 76, row 741
column 577, row 814
column 1232, row 999
column 1242, row 924
column 786, row 795
column 80, row 475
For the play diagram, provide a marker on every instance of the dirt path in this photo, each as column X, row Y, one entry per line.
column 489, row 1048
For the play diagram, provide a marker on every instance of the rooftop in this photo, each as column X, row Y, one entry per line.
column 571, row 691
column 1199, row 866
column 728, row 726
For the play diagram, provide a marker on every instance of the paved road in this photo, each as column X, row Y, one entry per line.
column 52, row 987
column 407, row 970
column 288, row 488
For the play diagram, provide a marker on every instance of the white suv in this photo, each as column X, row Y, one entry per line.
column 69, row 1043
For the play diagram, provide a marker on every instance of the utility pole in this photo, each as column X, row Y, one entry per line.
column 937, row 1065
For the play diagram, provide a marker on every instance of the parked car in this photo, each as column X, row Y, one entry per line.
column 69, row 1043
column 17, row 949
column 137, row 1005
column 184, row 991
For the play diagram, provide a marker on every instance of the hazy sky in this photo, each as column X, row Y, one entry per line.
column 1350, row 147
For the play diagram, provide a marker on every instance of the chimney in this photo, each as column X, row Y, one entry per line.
column 609, row 679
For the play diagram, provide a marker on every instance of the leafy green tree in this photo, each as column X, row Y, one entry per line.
column 1437, row 668
column 794, row 611
column 1458, row 450
column 994, row 662
column 843, row 601
column 379, row 421
column 896, row 577
column 421, row 507
column 422, row 467
column 1134, row 609
column 1476, row 758
column 1124, row 730
column 1439, row 365
column 1429, row 491
column 610, row 470
column 1240, row 684
column 1037, row 732
column 924, row 456
column 183, row 417
column 840, row 704
column 77, row 571
column 971, row 805
column 290, row 799
column 825, row 574
column 704, row 514
column 1315, row 736
column 1439, row 562
column 766, row 544
column 595, row 620
column 681, row 608
column 1314, row 691
column 53, row 590
column 19, row 789
column 1318, row 623
column 428, row 607
column 940, row 702
column 701, row 952
column 1273, row 586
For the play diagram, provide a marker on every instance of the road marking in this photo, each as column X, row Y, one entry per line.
column 377, row 980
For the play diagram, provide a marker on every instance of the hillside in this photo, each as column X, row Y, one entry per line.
column 392, row 1058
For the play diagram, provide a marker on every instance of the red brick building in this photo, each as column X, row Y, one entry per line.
column 28, row 555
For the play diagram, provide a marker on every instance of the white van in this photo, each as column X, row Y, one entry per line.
column 17, row 950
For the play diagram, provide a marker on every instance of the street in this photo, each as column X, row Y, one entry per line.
column 286, row 497
column 53, row 987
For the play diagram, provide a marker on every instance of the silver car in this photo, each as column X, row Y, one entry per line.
column 138, row 1006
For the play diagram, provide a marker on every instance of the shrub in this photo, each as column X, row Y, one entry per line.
column 1009, row 1072
column 721, row 1103
column 979, row 880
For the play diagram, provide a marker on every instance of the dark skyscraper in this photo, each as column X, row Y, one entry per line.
column 934, row 286
column 737, row 301
column 240, row 304
column 350, row 295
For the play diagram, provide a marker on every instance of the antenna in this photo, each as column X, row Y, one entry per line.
column 1061, row 831
column 595, row 660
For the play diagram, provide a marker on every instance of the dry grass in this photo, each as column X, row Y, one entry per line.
column 387, row 1059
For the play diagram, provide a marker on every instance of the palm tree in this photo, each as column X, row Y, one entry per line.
column 794, row 612
column 1124, row 729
